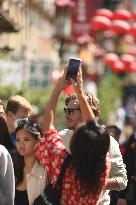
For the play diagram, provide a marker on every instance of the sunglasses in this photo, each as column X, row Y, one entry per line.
column 30, row 125
column 70, row 111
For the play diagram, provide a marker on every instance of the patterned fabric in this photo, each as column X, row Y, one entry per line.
column 51, row 153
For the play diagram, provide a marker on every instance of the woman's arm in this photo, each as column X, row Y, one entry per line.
column 86, row 110
column 49, row 114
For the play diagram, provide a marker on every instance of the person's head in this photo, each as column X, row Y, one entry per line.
column 28, row 133
column 17, row 107
column 89, row 146
column 114, row 131
column 72, row 109
column 4, row 134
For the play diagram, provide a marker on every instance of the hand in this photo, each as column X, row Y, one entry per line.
column 122, row 201
column 78, row 83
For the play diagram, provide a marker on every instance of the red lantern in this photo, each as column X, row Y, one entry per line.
column 100, row 23
column 120, row 27
column 127, row 59
column 122, row 14
column 104, row 12
column 133, row 67
column 134, row 15
column 118, row 66
column 110, row 58
column 132, row 30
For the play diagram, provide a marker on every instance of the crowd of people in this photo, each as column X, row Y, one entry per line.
column 31, row 157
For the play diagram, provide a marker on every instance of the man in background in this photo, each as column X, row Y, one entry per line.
column 17, row 108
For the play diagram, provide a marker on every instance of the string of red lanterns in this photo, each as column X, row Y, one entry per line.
column 122, row 23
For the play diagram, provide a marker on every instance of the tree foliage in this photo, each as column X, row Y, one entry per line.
column 110, row 90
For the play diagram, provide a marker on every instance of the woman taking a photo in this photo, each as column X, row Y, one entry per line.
column 87, row 174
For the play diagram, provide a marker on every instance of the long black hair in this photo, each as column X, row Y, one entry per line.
column 4, row 135
column 89, row 146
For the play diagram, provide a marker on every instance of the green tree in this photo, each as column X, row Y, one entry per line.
column 110, row 90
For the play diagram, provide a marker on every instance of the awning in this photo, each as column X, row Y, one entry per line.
column 63, row 3
column 6, row 23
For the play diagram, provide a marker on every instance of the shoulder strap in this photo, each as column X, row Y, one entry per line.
column 65, row 164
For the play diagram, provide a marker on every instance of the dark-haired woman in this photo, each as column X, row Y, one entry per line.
column 87, row 174
column 29, row 174
column 5, row 136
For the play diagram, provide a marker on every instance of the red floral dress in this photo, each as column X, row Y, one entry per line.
column 51, row 152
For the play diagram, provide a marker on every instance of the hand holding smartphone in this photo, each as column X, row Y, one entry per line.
column 73, row 67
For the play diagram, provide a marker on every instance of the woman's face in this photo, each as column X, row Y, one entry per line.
column 25, row 143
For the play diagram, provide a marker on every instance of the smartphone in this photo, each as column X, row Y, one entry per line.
column 73, row 67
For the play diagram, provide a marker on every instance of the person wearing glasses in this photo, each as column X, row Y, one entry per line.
column 30, row 175
column 73, row 115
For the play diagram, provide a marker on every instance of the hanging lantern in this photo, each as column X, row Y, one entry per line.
column 127, row 59
column 110, row 58
column 133, row 67
column 132, row 30
column 104, row 12
column 122, row 14
column 118, row 66
column 120, row 27
column 134, row 15
column 100, row 23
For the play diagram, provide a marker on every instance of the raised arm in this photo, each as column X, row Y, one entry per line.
column 86, row 110
column 50, row 110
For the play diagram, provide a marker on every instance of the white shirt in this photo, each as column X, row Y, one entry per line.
column 36, row 181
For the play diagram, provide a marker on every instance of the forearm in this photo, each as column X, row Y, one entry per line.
column 86, row 110
column 49, row 114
